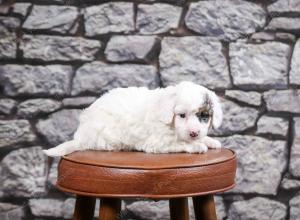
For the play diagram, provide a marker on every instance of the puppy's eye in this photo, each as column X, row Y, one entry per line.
column 182, row 115
column 203, row 116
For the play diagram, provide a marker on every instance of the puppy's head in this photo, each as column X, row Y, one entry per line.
column 191, row 109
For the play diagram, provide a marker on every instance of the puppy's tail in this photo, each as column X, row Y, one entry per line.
column 62, row 149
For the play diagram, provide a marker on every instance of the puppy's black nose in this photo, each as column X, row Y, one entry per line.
column 193, row 134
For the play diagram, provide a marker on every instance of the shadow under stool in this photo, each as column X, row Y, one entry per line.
column 112, row 176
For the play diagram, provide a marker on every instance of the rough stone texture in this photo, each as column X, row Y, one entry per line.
column 283, row 100
column 272, row 125
column 129, row 48
column 259, row 161
column 157, row 18
column 160, row 210
column 290, row 183
column 295, row 65
column 34, row 107
column 79, row 101
column 236, row 118
column 52, row 176
column 284, row 6
column 21, row 8
column 259, row 66
column 109, row 17
column 257, row 208
column 10, row 211
column 294, row 208
column 56, row 129
column 251, row 98
column 295, row 151
column 35, row 80
column 285, row 24
column 23, row 173
column 8, row 40
column 51, row 48
column 273, row 36
column 98, row 76
column 7, row 106
column 225, row 19
column 196, row 59
column 15, row 132
column 52, row 207
column 54, row 18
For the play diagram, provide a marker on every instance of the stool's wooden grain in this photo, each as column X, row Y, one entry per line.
column 84, row 208
column 112, row 176
column 110, row 209
column 204, row 207
column 179, row 209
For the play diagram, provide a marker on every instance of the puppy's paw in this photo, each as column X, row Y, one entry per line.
column 212, row 143
column 53, row 152
column 203, row 148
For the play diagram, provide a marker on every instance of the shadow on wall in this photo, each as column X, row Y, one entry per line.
column 57, row 57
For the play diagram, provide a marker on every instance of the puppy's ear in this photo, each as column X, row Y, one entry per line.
column 164, row 111
column 217, row 115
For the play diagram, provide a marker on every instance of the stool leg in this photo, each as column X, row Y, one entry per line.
column 179, row 209
column 204, row 207
column 84, row 208
column 110, row 209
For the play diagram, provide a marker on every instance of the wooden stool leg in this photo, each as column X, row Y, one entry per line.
column 204, row 207
column 84, row 208
column 179, row 209
column 110, row 209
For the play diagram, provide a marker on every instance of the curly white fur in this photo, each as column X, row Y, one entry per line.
column 166, row 120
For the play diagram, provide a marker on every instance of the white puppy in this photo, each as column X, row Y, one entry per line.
column 172, row 119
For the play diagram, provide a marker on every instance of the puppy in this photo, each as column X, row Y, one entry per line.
column 164, row 120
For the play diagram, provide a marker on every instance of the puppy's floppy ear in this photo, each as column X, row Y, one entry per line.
column 165, row 105
column 217, row 115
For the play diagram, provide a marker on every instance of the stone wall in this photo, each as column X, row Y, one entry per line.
column 57, row 57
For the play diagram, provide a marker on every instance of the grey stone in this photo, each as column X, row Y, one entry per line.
column 35, row 80
column 272, row 125
column 295, row 150
column 251, row 98
column 148, row 209
column 290, row 183
column 34, row 107
column 294, row 208
column 259, row 65
column 10, row 211
column 4, row 9
column 291, row 25
column 225, row 19
column 283, row 100
column 14, row 132
column 273, row 36
column 78, row 101
column 50, row 48
column 109, row 17
column 97, row 76
column 46, row 207
column 23, row 173
column 295, row 65
column 157, row 18
column 60, row 126
column 196, row 59
column 8, row 39
column 236, row 118
column 68, row 208
column 52, row 176
column 259, row 161
column 21, row 8
column 7, row 106
column 257, row 208
column 51, row 17
column 284, row 6
column 129, row 48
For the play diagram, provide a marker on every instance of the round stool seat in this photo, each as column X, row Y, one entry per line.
column 138, row 174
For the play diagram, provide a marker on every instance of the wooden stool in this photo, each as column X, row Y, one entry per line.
column 112, row 176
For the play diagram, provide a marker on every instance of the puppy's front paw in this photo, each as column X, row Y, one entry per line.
column 212, row 143
column 203, row 148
